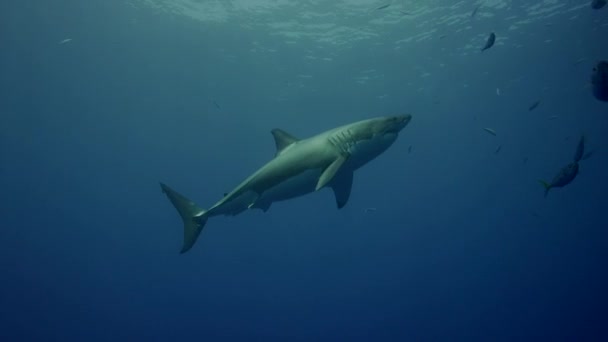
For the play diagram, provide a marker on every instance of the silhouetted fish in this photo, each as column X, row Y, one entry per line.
column 489, row 42
column 489, row 130
column 565, row 176
column 498, row 149
column 579, row 61
column 534, row 105
column 599, row 81
column 217, row 105
column 475, row 11
column 383, row 7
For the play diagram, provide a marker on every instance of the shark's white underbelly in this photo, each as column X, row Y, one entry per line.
column 296, row 186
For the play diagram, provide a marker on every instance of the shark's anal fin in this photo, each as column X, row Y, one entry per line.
column 264, row 205
column 282, row 139
column 342, row 186
column 329, row 173
column 254, row 202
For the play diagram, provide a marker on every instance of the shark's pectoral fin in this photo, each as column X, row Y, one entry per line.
column 342, row 186
column 329, row 173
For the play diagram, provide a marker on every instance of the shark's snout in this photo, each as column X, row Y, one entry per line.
column 397, row 123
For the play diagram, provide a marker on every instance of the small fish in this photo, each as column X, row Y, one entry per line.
column 409, row 149
column 534, row 105
column 567, row 174
column 599, row 81
column 498, row 149
column 382, row 7
column 217, row 105
column 475, row 11
column 498, row 91
column 579, row 61
column 368, row 210
column 564, row 177
column 442, row 36
column 489, row 130
column 597, row 4
column 553, row 117
column 67, row 40
column 489, row 42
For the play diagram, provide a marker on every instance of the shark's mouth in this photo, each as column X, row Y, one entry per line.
column 393, row 130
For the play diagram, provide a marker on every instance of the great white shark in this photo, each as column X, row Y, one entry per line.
column 299, row 167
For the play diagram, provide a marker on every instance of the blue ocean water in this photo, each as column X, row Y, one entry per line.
column 101, row 100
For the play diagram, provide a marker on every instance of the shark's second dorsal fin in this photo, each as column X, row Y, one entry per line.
column 282, row 139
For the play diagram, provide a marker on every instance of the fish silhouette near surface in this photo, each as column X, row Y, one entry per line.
column 599, row 81
column 569, row 172
column 475, row 11
column 489, row 42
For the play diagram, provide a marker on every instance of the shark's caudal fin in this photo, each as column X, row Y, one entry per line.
column 193, row 216
column 546, row 185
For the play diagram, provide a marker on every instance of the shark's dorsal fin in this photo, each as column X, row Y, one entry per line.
column 342, row 185
column 282, row 139
column 329, row 172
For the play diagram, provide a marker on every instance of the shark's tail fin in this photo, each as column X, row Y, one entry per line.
column 546, row 185
column 194, row 217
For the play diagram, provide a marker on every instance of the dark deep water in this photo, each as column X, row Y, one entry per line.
column 462, row 245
